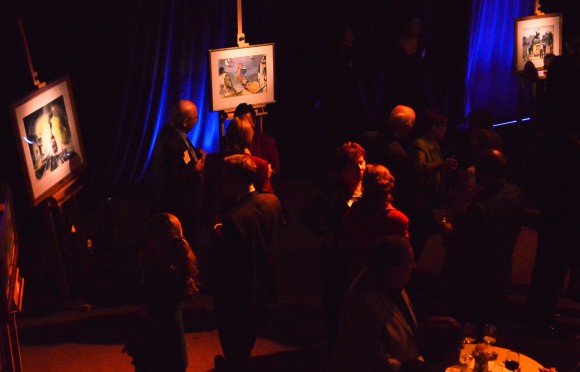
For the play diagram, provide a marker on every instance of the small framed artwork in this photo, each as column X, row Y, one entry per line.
column 49, row 139
column 241, row 75
column 535, row 37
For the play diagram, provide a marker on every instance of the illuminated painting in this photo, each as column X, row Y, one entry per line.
column 242, row 75
column 49, row 139
column 536, row 37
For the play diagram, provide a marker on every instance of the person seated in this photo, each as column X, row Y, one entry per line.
column 440, row 342
column 378, row 329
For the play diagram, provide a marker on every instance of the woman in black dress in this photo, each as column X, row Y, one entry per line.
column 168, row 276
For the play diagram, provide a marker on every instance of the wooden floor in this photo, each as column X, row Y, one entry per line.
column 292, row 338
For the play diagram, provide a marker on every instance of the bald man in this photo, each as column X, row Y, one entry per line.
column 391, row 145
column 178, row 167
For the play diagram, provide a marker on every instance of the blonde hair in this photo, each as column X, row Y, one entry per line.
column 239, row 134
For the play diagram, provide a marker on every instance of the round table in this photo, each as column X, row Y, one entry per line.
column 527, row 364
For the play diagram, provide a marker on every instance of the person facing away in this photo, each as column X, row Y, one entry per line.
column 263, row 145
column 239, row 136
column 244, row 262
column 178, row 167
column 481, row 240
column 378, row 328
column 168, row 275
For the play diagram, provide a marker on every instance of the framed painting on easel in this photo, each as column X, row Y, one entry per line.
column 49, row 139
column 241, row 75
column 535, row 37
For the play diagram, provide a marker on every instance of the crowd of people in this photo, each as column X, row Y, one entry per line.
column 381, row 204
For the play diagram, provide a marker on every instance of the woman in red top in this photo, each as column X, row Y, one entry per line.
column 371, row 217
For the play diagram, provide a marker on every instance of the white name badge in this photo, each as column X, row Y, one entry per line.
column 186, row 158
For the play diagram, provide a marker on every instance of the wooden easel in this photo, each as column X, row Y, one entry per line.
column 53, row 209
column 57, row 222
column 260, row 109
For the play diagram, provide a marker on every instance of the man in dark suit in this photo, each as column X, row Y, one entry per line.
column 378, row 328
column 244, row 262
column 178, row 166
column 481, row 241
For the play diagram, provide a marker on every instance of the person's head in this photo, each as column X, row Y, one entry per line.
column 440, row 340
column 378, row 184
column 391, row 258
column 480, row 118
column 409, row 22
column 401, row 121
column 490, row 166
column 347, row 38
column 167, row 245
column 434, row 124
column 184, row 116
column 246, row 111
column 239, row 134
column 350, row 162
column 238, row 174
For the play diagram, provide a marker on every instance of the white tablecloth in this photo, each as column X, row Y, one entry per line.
column 527, row 364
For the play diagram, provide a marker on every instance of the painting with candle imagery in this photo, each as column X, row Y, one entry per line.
column 48, row 135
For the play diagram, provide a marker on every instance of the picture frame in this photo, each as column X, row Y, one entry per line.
column 241, row 75
column 535, row 37
column 49, row 139
column 8, row 250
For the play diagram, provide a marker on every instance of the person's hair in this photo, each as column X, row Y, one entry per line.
column 377, row 184
column 388, row 253
column 243, row 108
column 492, row 163
column 166, row 229
column 348, row 154
column 439, row 339
column 431, row 119
column 480, row 118
column 399, row 118
column 240, row 167
column 239, row 134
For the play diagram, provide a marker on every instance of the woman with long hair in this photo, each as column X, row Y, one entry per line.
column 168, row 275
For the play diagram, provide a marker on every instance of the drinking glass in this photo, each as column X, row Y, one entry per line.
column 490, row 334
column 469, row 333
column 512, row 360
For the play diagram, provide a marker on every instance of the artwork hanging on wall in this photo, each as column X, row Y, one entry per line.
column 242, row 75
column 49, row 140
column 535, row 37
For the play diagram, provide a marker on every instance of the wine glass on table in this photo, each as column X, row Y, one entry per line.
column 469, row 333
column 490, row 334
column 512, row 360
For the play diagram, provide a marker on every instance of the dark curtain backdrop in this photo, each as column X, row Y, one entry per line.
column 129, row 60
column 491, row 81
